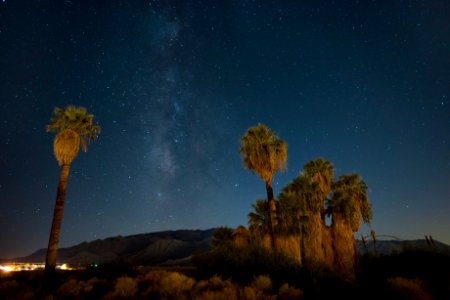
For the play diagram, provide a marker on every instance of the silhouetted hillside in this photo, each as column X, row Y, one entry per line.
column 175, row 247
column 151, row 248
column 387, row 247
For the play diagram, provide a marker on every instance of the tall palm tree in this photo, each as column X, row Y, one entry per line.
column 350, row 200
column 321, row 172
column 264, row 153
column 74, row 128
column 301, row 198
column 348, row 204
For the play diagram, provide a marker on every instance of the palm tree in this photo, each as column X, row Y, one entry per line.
column 350, row 200
column 264, row 153
column 321, row 172
column 74, row 128
column 258, row 219
column 348, row 204
column 300, row 201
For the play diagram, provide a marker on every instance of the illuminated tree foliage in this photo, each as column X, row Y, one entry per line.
column 301, row 208
column 264, row 153
column 258, row 219
column 74, row 129
column 347, row 206
column 320, row 171
column 350, row 200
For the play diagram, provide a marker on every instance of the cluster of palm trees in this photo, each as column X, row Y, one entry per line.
column 298, row 215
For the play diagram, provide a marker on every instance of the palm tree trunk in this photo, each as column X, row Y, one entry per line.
column 313, row 238
column 50, row 261
column 272, row 212
column 344, row 246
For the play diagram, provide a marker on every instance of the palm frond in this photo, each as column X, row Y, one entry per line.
column 350, row 200
column 76, row 119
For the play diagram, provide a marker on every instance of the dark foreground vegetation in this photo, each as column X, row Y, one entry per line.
column 230, row 272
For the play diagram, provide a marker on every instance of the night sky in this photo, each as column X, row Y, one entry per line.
column 175, row 84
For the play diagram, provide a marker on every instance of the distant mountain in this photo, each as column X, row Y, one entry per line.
column 395, row 246
column 146, row 249
column 176, row 247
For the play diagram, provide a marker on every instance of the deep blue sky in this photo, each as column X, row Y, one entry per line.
column 175, row 84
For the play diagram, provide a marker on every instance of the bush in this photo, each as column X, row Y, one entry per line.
column 432, row 268
column 9, row 288
column 245, row 263
column 125, row 288
column 412, row 289
column 167, row 285
column 176, row 285
column 71, row 289
column 215, row 288
column 289, row 293
column 262, row 283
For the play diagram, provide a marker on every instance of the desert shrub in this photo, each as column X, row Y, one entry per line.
column 411, row 289
column 89, row 285
column 214, row 283
column 71, row 289
column 149, row 283
column 176, row 285
column 251, row 293
column 431, row 267
column 262, row 283
column 9, row 288
column 124, row 288
column 214, row 288
column 96, row 288
column 152, row 277
column 166, row 285
column 243, row 264
column 221, row 236
column 13, row 289
column 226, row 294
column 287, row 292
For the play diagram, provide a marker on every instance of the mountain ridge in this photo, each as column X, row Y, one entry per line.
column 145, row 248
column 176, row 246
